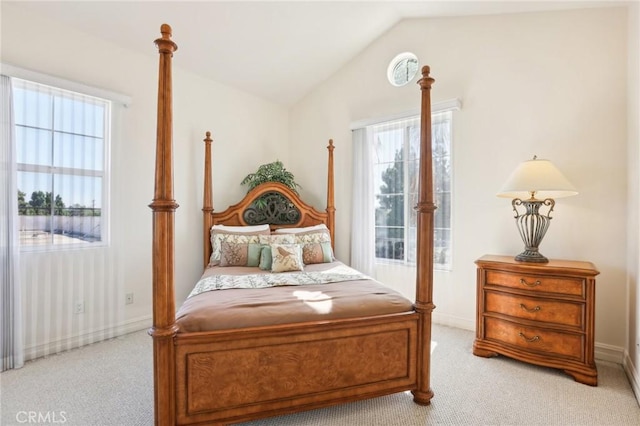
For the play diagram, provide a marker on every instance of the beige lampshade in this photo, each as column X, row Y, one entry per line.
column 540, row 177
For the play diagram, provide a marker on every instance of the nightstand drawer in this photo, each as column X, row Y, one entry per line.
column 535, row 339
column 535, row 308
column 534, row 283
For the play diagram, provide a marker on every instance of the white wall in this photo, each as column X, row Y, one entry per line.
column 548, row 84
column 52, row 282
column 632, row 358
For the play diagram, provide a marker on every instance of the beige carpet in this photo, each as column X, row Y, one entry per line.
column 110, row 383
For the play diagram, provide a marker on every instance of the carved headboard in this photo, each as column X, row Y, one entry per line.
column 270, row 203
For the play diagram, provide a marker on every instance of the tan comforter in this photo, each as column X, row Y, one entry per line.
column 239, row 308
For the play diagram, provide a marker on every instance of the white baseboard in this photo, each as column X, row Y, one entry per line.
column 87, row 337
column 632, row 374
column 610, row 353
column 453, row 321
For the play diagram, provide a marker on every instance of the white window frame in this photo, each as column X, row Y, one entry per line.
column 404, row 126
column 438, row 110
column 112, row 98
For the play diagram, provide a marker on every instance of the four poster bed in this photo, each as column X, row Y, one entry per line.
column 236, row 352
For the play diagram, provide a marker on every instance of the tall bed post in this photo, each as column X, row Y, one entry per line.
column 331, row 209
column 424, row 278
column 207, row 202
column 163, row 207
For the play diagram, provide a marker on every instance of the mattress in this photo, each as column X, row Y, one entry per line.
column 285, row 304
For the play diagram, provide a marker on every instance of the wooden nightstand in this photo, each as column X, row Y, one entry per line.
column 541, row 313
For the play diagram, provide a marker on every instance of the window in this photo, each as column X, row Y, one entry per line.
column 402, row 69
column 396, row 157
column 62, row 141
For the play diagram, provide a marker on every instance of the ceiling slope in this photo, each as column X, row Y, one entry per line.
column 278, row 51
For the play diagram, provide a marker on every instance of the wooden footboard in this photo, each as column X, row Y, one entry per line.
column 238, row 375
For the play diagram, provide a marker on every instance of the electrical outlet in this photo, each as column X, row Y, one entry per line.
column 128, row 299
column 78, row 308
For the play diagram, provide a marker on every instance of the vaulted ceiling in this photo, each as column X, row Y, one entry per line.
column 276, row 50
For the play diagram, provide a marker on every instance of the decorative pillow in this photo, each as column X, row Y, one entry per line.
column 233, row 254
column 311, row 237
column 239, row 254
column 253, row 254
column 243, row 229
column 309, row 234
column 219, row 235
column 266, row 241
column 265, row 258
column 286, row 257
column 277, row 239
column 317, row 253
column 319, row 227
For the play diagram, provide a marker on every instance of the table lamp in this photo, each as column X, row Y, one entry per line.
column 533, row 184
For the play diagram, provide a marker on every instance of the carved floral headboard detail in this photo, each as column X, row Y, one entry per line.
column 272, row 208
column 284, row 208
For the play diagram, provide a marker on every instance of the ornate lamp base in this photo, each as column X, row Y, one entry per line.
column 532, row 226
column 531, row 255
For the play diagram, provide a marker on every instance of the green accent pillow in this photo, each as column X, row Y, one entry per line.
column 253, row 254
column 265, row 257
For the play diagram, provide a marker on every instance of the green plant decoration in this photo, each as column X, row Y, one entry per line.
column 271, row 172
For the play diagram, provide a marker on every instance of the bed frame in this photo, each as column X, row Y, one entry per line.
column 230, row 376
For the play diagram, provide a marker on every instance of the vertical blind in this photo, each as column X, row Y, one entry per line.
column 72, row 280
column 11, row 331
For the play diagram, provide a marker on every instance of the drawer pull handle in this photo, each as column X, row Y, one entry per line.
column 535, row 284
column 530, row 340
column 536, row 309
